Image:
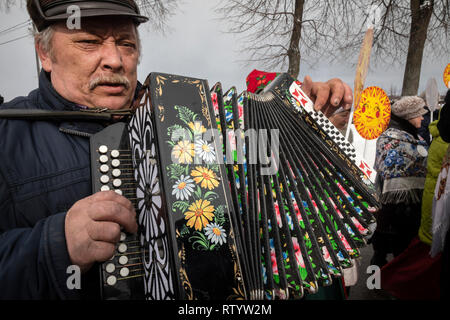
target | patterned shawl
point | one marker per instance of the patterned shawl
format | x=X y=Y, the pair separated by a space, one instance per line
x=401 y=162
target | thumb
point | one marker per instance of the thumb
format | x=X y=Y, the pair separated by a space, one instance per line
x=307 y=85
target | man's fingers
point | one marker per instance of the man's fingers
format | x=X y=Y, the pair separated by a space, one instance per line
x=104 y=231
x=111 y=196
x=307 y=86
x=100 y=251
x=337 y=92
x=322 y=92
x=348 y=97
x=113 y=212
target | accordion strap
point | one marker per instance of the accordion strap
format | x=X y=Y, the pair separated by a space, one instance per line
x=39 y=114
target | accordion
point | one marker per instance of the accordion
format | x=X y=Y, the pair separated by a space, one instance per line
x=238 y=196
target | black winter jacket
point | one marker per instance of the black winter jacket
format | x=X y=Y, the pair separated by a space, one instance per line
x=444 y=119
x=45 y=169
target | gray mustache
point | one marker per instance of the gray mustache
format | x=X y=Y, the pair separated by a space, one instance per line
x=112 y=79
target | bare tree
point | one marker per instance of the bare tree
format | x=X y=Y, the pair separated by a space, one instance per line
x=282 y=33
x=405 y=30
x=278 y=32
x=158 y=12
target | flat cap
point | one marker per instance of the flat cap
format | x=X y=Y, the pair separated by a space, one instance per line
x=46 y=12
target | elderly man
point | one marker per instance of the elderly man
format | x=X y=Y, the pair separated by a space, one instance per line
x=49 y=219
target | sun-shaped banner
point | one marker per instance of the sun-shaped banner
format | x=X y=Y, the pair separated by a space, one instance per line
x=371 y=117
x=447 y=76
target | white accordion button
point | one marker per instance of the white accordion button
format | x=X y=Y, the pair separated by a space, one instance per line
x=122 y=248
x=103 y=149
x=105 y=188
x=123 y=260
x=123 y=236
x=124 y=272
x=110 y=267
x=115 y=163
x=117 y=183
x=115 y=153
x=103 y=159
x=112 y=280
x=116 y=173
x=104 y=179
x=118 y=191
x=104 y=168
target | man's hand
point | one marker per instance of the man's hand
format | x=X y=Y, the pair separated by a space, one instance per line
x=328 y=96
x=93 y=227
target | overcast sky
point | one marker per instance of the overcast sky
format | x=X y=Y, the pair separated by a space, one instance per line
x=195 y=47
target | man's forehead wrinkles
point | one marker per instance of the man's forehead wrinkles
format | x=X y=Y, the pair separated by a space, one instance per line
x=118 y=33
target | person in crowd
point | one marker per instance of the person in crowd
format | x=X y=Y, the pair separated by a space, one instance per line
x=49 y=217
x=441 y=207
x=416 y=272
x=400 y=161
x=436 y=154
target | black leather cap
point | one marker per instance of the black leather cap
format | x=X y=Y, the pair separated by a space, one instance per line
x=45 y=12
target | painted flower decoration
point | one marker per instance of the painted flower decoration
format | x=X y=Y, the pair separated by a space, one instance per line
x=298 y=254
x=197 y=127
x=214 y=101
x=199 y=214
x=205 y=177
x=241 y=111
x=205 y=151
x=215 y=233
x=183 y=152
x=183 y=188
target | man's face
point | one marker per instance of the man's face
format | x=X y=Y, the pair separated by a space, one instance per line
x=95 y=66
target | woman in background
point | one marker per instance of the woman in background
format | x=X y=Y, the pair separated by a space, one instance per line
x=401 y=159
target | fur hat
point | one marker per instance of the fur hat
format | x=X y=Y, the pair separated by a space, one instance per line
x=409 y=107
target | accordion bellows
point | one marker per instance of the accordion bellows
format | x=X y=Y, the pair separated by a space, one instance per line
x=238 y=196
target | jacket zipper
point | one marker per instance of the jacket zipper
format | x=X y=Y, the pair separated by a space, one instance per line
x=75 y=132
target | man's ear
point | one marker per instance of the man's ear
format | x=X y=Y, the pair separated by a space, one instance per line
x=44 y=56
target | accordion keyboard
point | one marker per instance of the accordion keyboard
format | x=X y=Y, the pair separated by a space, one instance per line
x=122 y=275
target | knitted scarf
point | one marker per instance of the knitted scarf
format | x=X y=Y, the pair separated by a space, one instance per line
x=401 y=162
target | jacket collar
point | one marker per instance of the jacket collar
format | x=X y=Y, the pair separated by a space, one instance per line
x=52 y=99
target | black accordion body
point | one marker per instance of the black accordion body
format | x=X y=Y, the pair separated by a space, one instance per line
x=237 y=196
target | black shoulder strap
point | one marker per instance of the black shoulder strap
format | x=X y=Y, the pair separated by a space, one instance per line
x=48 y=115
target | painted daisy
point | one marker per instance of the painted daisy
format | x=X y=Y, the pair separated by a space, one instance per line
x=183 y=152
x=205 y=177
x=183 y=188
x=199 y=214
x=205 y=151
x=215 y=233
